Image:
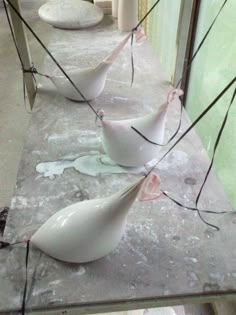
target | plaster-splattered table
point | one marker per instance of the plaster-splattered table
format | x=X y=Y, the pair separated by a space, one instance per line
x=167 y=256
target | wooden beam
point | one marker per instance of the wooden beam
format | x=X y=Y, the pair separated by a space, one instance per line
x=23 y=47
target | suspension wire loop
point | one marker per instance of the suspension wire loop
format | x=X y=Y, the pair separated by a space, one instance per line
x=33 y=70
x=193 y=208
x=132 y=37
x=213 y=156
x=171 y=138
x=51 y=56
x=197 y=119
x=215 y=147
x=179 y=82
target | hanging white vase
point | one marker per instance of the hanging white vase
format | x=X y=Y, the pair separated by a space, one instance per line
x=87 y=230
x=90 y=81
x=127 y=15
x=128 y=148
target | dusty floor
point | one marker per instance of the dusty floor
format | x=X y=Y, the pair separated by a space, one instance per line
x=14 y=119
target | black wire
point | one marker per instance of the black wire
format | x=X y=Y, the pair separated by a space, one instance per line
x=184 y=74
x=171 y=138
x=196 y=209
x=197 y=119
x=132 y=59
x=215 y=147
x=178 y=203
x=132 y=38
x=214 y=151
x=201 y=43
x=7 y=244
x=26 y=277
x=51 y=56
x=145 y=16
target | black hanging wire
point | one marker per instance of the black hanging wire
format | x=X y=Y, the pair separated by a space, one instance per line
x=201 y=43
x=192 y=208
x=6 y=244
x=177 y=85
x=26 y=277
x=206 y=110
x=219 y=135
x=132 y=59
x=132 y=37
x=145 y=16
x=51 y=56
x=213 y=156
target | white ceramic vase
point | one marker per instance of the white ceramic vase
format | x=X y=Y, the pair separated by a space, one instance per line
x=115 y=6
x=87 y=230
x=128 y=148
x=90 y=81
x=127 y=15
x=70 y=14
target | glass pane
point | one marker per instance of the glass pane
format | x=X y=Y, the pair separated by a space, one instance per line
x=161 y=27
x=213 y=68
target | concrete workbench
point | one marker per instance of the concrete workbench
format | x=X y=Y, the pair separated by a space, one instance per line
x=167 y=255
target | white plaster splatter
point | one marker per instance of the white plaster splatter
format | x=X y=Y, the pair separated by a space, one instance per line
x=191 y=259
x=80 y=272
x=93 y=165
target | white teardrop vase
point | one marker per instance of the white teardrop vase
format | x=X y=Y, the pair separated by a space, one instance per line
x=127 y=15
x=115 y=6
x=87 y=230
x=126 y=147
x=91 y=81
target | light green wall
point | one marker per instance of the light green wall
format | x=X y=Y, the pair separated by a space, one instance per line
x=162 y=32
x=213 y=68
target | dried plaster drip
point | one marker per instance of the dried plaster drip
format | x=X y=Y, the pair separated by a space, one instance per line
x=91 y=165
x=95 y=164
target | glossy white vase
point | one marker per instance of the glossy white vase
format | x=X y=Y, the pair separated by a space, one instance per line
x=90 y=81
x=87 y=230
x=126 y=147
x=115 y=6
x=70 y=14
x=127 y=15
